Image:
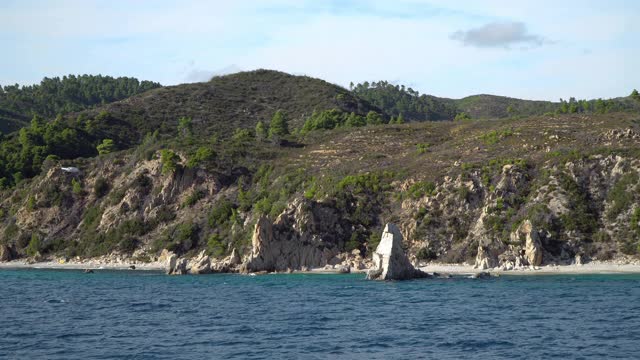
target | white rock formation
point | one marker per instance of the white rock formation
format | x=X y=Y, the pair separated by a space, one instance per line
x=200 y=264
x=176 y=266
x=484 y=259
x=533 y=246
x=389 y=260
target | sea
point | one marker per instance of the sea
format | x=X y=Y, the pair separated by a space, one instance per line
x=67 y=314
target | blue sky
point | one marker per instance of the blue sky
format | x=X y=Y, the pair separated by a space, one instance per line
x=527 y=49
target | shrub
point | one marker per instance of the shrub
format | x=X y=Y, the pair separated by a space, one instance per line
x=619 y=197
x=492 y=137
x=143 y=183
x=422 y=148
x=34 y=245
x=187 y=235
x=169 y=161
x=164 y=214
x=76 y=187
x=100 y=187
x=426 y=253
x=420 y=189
x=462 y=116
x=221 y=213
x=203 y=154
x=193 y=198
x=215 y=245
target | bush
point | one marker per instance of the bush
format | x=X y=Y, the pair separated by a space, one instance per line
x=420 y=189
x=76 y=187
x=187 y=235
x=426 y=253
x=221 y=213
x=203 y=154
x=422 y=148
x=619 y=196
x=492 y=137
x=169 y=161
x=164 y=215
x=106 y=147
x=100 y=187
x=34 y=245
x=215 y=246
x=462 y=116
x=143 y=183
x=193 y=198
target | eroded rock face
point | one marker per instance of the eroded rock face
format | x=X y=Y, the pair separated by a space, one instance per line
x=389 y=260
x=485 y=259
x=5 y=253
x=305 y=235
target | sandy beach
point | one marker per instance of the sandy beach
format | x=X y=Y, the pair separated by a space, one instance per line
x=89 y=264
x=595 y=267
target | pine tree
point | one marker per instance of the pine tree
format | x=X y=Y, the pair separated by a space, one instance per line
x=107 y=146
x=261 y=131
x=279 y=126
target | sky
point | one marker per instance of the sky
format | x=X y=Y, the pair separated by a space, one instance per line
x=539 y=49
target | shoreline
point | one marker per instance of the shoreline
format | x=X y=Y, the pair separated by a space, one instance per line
x=595 y=267
x=90 y=265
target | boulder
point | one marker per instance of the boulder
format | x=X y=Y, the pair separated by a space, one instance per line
x=5 y=253
x=481 y=275
x=201 y=264
x=389 y=260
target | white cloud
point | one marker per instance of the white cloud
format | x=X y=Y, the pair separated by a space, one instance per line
x=499 y=34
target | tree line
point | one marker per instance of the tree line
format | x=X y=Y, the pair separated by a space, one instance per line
x=71 y=93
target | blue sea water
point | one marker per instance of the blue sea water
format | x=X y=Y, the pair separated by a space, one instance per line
x=64 y=314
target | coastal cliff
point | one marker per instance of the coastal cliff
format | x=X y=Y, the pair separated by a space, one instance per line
x=510 y=193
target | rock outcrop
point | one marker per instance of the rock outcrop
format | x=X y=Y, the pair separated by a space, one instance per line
x=484 y=259
x=176 y=266
x=304 y=235
x=201 y=264
x=389 y=260
x=533 y=246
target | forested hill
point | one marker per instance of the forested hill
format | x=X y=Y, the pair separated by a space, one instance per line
x=396 y=100
x=225 y=106
x=18 y=104
x=400 y=100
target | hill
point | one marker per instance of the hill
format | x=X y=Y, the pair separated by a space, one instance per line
x=55 y=96
x=397 y=99
x=215 y=108
x=189 y=172
x=233 y=101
